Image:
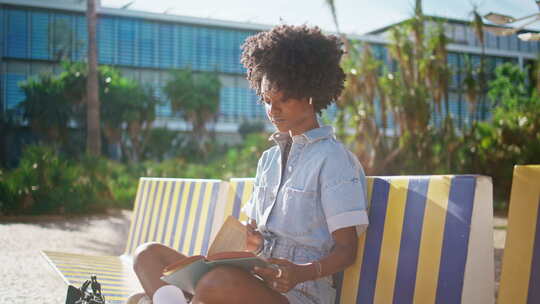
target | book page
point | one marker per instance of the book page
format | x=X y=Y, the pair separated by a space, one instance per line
x=231 y=237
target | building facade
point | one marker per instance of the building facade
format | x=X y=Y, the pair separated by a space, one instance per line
x=35 y=34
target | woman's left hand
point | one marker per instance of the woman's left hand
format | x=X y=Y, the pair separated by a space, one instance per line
x=284 y=280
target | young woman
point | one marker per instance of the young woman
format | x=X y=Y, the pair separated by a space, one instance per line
x=308 y=204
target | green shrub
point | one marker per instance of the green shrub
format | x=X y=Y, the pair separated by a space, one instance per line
x=511 y=137
x=7 y=195
x=45 y=183
x=122 y=184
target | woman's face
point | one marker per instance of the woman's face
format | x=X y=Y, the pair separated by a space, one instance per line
x=288 y=114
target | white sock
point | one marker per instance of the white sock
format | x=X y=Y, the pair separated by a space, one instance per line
x=169 y=294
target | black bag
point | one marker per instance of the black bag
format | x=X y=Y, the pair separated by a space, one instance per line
x=83 y=295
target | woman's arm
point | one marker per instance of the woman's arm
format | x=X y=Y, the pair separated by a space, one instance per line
x=343 y=253
x=342 y=256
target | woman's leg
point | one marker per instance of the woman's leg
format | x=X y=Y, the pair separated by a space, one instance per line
x=229 y=285
x=148 y=263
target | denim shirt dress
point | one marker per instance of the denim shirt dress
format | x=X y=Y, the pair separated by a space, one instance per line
x=321 y=189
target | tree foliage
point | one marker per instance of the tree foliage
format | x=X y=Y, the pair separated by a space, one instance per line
x=406 y=92
x=53 y=102
x=46 y=108
x=195 y=97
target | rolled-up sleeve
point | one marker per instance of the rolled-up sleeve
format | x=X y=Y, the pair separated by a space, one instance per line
x=343 y=193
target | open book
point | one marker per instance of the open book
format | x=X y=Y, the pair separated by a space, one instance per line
x=228 y=248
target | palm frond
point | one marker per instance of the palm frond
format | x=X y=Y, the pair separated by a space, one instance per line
x=332 y=7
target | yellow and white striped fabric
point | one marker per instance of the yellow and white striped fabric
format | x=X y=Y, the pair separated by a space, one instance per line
x=240 y=190
x=520 y=276
x=181 y=213
x=114 y=273
x=430 y=240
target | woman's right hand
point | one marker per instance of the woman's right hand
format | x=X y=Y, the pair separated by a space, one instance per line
x=254 y=239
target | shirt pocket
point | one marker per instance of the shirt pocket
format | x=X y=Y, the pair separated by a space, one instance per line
x=300 y=211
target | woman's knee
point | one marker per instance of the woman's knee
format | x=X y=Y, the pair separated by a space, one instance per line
x=233 y=285
x=146 y=252
x=220 y=280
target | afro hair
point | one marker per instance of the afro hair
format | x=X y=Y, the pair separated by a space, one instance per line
x=300 y=61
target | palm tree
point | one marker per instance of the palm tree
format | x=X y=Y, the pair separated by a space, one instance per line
x=478 y=27
x=93 y=136
x=332 y=7
x=418 y=85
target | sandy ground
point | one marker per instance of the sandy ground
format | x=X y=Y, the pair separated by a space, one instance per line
x=27 y=278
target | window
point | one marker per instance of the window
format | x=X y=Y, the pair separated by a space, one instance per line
x=524 y=46
x=214 y=59
x=14 y=94
x=81 y=38
x=126 y=41
x=220 y=51
x=62 y=36
x=202 y=50
x=226 y=102
x=39 y=33
x=534 y=46
x=471 y=36
x=224 y=51
x=243 y=106
x=504 y=42
x=147 y=44
x=238 y=102
x=106 y=40
x=490 y=40
x=16 y=37
x=459 y=34
x=449 y=30
x=186 y=46
x=166 y=51
x=513 y=43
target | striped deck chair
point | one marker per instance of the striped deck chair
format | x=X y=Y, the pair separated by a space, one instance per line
x=181 y=213
x=430 y=240
x=240 y=190
x=520 y=276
